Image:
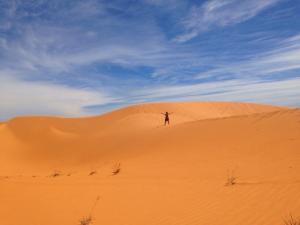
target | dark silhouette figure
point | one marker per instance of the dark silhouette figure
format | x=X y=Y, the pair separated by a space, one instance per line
x=167 y=119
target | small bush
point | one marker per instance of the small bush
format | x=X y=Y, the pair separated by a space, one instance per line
x=92 y=173
x=292 y=221
x=231 y=178
x=116 y=169
x=86 y=221
x=55 y=174
x=231 y=181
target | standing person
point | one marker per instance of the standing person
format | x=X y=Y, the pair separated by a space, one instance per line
x=167 y=119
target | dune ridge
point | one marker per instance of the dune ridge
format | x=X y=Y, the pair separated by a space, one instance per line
x=168 y=175
x=144 y=115
x=94 y=138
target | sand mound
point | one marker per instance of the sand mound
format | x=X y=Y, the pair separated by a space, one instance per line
x=137 y=116
x=92 y=138
x=168 y=175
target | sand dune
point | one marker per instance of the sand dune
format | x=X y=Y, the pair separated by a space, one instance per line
x=90 y=139
x=169 y=175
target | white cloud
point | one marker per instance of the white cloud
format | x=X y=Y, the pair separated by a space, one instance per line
x=283 y=58
x=220 y=13
x=19 y=97
x=58 y=48
x=281 y=92
x=53 y=41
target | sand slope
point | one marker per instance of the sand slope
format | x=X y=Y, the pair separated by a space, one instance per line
x=169 y=175
x=72 y=141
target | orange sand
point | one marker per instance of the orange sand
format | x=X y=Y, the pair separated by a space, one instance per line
x=169 y=175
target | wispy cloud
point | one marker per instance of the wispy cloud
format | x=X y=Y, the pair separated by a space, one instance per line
x=220 y=13
x=55 y=47
x=282 y=58
x=85 y=56
x=280 y=92
x=19 y=97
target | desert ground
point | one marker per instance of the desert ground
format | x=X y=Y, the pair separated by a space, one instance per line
x=218 y=163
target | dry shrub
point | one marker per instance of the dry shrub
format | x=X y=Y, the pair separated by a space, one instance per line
x=230 y=181
x=86 y=221
x=56 y=173
x=116 y=169
x=292 y=221
x=89 y=219
x=92 y=173
x=231 y=178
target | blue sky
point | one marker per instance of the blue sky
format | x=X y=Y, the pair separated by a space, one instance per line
x=77 y=58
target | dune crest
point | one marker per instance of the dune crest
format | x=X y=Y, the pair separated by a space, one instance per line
x=54 y=135
x=147 y=173
x=144 y=115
